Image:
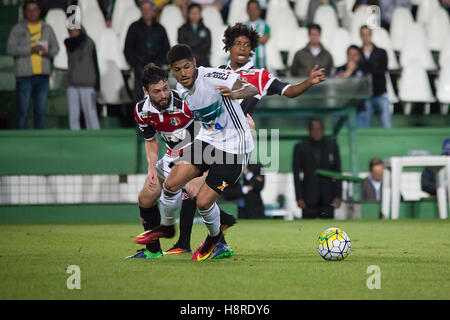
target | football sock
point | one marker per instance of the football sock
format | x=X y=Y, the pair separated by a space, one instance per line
x=150 y=218
x=170 y=204
x=187 y=214
x=211 y=218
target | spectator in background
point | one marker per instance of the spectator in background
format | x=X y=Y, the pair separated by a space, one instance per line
x=313 y=54
x=33 y=44
x=196 y=35
x=146 y=42
x=428 y=180
x=317 y=196
x=387 y=8
x=375 y=61
x=371 y=186
x=83 y=79
x=263 y=30
x=354 y=66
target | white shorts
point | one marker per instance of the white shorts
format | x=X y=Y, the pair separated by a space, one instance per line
x=162 y=166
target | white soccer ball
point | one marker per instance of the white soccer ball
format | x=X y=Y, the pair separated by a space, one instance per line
x=334 y=244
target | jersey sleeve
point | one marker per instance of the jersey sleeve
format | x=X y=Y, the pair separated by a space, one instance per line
x=277 y=87
x=270 y=84
x=146 y=130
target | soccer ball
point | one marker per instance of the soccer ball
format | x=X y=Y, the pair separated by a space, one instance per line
x=334 y=244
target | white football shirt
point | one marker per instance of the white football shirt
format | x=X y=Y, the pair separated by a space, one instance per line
x=224 y=125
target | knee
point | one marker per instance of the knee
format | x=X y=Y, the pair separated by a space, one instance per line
x=146 y=200
x=171 y=187
x=203 y=204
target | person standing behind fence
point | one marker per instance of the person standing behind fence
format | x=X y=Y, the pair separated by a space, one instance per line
x=83 y=79
x=33 y=44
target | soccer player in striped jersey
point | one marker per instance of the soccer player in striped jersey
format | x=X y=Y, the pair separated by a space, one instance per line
x=222 y=146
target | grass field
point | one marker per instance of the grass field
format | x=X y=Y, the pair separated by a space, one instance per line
x=274 y=260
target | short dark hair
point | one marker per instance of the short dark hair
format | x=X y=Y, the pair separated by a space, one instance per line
x=179 y=52
x=194 y=5
x=365 y=27
x=28 y=2
x=314 y=26
x=253 y=1
x=153 y=74
x=238 y=30
x=310 y=123
x=374 y=162
x=354 y=47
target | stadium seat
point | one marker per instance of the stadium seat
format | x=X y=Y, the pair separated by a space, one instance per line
x=445 y=52
x=273 y=57
x=359 y=19
x=130 y=15
x=326 y=17
x=108 y=48
x=401 y=21
x=415 y=86
x=277 y=10
x=443 y=87
x=112 y=85
x=301 y=40
x=56 y=18
x=415 y=47
x=218 y=55
x=172 y=19
x=380 y=38
x=94 y=23
x=89 y=5
x=437 y=28
x=238 y=12
x=338 y=46
x=212 y=18
x=390 y=91
x=425 y=10
x=301 y=9
x=120 y=10
x=283 y=28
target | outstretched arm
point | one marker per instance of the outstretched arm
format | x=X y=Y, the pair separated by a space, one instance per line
x=316 y=76
x=240 y=90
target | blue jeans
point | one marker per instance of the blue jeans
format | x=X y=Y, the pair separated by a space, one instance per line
x=381 y=105
x=35 y=87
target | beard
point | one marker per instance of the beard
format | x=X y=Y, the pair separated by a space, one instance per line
x=162 y=104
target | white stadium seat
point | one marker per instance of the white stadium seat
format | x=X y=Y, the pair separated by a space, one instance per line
x=301 y=9
x=445 y=52
x=402 y=19
x=94 y=23
x=218 y=55
x=273 y=57
x=56 y=18
x=415 y=86
x=121 y=7
x=112 y=85
x=437 y=28
x=326 y=17
x=443 y=87
x=359 y=19
x=130 y=15
x=108 y=48
x=212 y=18
x=89 y=5
x=274 y=9
x=171 y=19
x=425 y=10
x=238 y=12
x=301 y=39
x=415 y=47
x=339 y=45
x=380 y=38
x=390 y=90
x=283 y=28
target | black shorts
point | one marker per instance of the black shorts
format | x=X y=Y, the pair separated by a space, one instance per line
x=224 y=168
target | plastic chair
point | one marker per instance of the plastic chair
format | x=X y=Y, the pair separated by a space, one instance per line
x=380 y=38
x=415 y=86
x=443 y=87
x=402 y=19
x=56 y=18
x=120 y=9
x=301 y=9
x=277 y=10
x=437 y=28
x=94 y=23
x=359 y=19
x=445 y=51
x=89 y=5
x=218 y=55
x=172 y=19
x=273 y=56
x=212 y=18
x=130 y=15
x=108 y=48
x=339 y=45
x=326 y=17
x=301 y=40
x=238 y=12
x=390 y=91
x=283 y=28
x=415 y=47
x=112 y=85
x=425 y=10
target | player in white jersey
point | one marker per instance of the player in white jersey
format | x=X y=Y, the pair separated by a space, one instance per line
x=222 y=146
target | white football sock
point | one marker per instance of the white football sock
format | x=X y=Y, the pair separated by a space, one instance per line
x=211 y=218
x=170 y=204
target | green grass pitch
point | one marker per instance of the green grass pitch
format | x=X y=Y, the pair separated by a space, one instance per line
x=273 y=259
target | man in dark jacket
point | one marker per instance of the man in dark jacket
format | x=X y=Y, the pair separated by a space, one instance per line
x=83 y=79
x=317 y=196
x=196 y=35
x=376 y=62
x=371 y=186
x=146 y=42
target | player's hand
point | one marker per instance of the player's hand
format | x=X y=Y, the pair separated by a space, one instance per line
x=317 y=75
x=301 y=204
x=152 y=178
x=225 y=91
x=336 y=203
